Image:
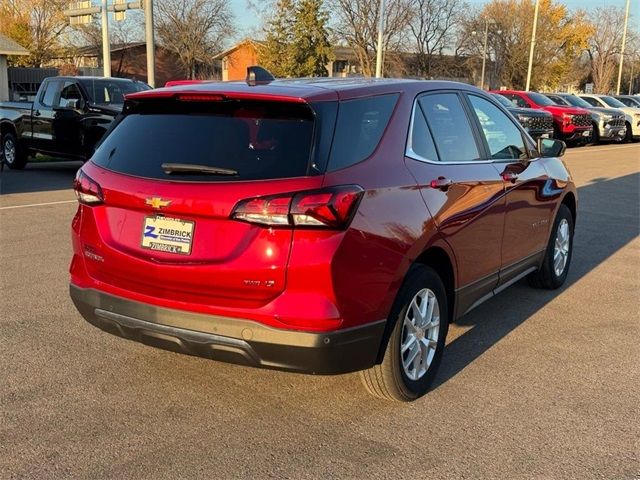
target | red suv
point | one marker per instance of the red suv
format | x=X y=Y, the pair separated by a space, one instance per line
x=317 y=226
x=570 y=123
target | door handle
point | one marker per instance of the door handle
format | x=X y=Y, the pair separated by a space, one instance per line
x=442 y=183
x=509 y=177
x=36 y=113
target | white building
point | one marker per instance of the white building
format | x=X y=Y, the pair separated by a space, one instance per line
x=7 y=47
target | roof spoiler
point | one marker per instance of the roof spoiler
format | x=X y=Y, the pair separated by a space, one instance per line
x=257 y=75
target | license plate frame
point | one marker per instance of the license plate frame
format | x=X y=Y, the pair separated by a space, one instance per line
x=167 y=234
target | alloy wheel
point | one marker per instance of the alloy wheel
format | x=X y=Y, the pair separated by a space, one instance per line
x=9 y=150
x=561 y=248
x=420 y=331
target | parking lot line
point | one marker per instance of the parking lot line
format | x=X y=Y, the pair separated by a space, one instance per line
x=11 y=207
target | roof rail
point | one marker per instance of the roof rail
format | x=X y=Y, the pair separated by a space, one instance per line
x=257 y=75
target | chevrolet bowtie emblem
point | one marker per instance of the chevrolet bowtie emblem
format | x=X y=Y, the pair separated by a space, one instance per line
x=157 y=202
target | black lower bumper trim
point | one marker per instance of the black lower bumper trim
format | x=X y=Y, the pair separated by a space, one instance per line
x=231 y=340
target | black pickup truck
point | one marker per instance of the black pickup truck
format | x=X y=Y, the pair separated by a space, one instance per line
x=67 y=118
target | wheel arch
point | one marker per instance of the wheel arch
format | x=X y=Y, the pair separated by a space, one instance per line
x=570 y=201
x=442 y=262
x=8 y=127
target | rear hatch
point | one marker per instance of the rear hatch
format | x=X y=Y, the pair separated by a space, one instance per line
x=171 y=172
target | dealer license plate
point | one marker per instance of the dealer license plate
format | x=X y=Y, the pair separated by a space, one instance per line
x=169 y=235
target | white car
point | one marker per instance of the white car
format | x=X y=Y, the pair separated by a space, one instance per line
x=632 y=115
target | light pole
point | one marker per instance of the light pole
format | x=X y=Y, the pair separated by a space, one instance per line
x=484 y=48
x=624 y=40
x=106 y=46
x=81 y=12
x=533 y=44
x=380 y=41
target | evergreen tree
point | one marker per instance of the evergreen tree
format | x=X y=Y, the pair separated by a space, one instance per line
x=297 y=43
x=311 y=49
x=276 y=55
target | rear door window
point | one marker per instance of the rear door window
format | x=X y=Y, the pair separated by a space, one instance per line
x=450 y=126
x=256 y=140
x=359 y=128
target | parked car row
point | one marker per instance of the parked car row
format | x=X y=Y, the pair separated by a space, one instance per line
x=577 y=119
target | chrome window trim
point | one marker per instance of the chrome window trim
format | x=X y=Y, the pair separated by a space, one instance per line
x=410 y=153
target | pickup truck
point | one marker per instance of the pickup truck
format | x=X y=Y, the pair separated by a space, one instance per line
x=571 y=124
x=67 y=118
x=537 y=123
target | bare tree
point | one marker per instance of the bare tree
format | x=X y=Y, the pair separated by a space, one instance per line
x=36 y=24
x=357 y=24
x=604 y=46
x=432 y=24
x=194 y=29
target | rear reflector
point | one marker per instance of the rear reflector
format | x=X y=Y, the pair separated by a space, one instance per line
x=331 y=207
x=87 y=190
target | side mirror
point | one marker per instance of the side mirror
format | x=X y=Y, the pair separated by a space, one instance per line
x=550 y=147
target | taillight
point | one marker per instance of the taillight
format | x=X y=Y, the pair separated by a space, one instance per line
x=331 y=207
x=87 y=190
x=199 y=97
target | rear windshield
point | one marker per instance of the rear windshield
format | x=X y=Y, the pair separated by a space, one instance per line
x=237 y=140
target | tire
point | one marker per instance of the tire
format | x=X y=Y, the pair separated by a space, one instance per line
x=390 y=380
x=595 y=136
x=629 y=135
x=548 y=276
x=12 y=153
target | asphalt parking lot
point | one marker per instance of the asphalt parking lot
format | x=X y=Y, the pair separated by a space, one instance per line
x=534 y=384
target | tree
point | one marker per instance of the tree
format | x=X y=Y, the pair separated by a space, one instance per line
x=194 y=29
x=357 y=24
x=432 y=24
x=276 y=55
x=311 y=47
x=604 y=46
x=561 y=37
x=36 y=25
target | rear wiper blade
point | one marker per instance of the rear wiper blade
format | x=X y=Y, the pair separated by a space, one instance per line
x=170 y=168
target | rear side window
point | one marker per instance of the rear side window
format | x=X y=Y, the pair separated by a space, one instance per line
x=359 y=128
x=256 y=140
x=450 y=127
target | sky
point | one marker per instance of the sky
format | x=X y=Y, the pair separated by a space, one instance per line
x=249 y=21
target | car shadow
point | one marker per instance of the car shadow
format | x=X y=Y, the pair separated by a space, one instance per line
x=607 y=220
x=39 y=177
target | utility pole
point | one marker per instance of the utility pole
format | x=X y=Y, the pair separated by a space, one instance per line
x=533 y=44
x=380 y=41
x=484 y=52
x=624 y=40
x=81 y=12
x=106 y=46
x=151 y=44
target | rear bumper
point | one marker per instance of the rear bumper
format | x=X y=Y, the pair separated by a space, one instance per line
x=231 y=340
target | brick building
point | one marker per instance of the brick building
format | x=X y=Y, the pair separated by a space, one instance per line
x=130 y=61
